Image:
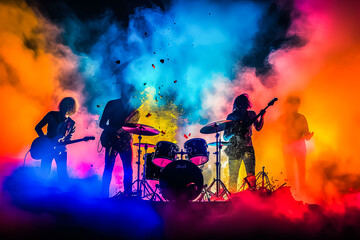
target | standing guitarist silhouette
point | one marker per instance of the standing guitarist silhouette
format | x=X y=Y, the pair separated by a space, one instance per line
x=239 y=134
x=60 y=128
x=295 y=131
x=117 y=141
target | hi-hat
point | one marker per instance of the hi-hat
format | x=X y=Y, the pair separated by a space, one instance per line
x=213 y=144
x=215 y=127
x=140 y=129
x=149 y=145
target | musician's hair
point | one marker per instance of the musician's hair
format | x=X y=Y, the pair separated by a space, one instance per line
x=242 y=101
x=293 y=99
x=69 y=104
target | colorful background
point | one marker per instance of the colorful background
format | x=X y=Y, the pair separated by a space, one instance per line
x=188 y=60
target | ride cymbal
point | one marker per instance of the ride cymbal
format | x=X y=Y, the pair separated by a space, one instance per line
x=215 y=127
x=140 y=129
x=149 y=145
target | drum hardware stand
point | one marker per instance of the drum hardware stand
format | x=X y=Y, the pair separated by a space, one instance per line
x=144 y=190
x=181 y=153
x=217 y=181
x=138 y=182
x=262 y=183
x=146 y=186
x=139 y=129
x=246 y=183
x=265 y=182
x=155 y=195
x=204 y=193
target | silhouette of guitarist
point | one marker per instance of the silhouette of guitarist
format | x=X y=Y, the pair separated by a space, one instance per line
x=117 y=141
x=239 y=135
x=60 y=128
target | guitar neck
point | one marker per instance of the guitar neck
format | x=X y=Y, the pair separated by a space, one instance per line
x=257 y=116
x=253 y=120
x=71 y=142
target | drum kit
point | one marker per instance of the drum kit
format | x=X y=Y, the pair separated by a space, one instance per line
x=179 y=179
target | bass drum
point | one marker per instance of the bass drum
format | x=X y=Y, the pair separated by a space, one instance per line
x=181 y=181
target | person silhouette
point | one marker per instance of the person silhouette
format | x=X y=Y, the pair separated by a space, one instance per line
x=239 y=135
x=117 y=141
x=60 y=128
x=295 y=131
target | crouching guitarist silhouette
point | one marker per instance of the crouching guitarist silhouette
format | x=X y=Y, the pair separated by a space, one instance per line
x=117 y=141
x=60 y=128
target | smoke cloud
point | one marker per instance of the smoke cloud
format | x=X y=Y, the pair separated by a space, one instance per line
x=188 y=61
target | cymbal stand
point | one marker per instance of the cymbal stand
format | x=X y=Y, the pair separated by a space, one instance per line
x=224 y=192
x=155 y=195
x=146 y=190
x=138 y=164
x=143 y=190
x=262 y=183
x=137 y=181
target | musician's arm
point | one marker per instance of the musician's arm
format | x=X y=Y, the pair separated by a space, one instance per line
x=104 y=118
x=307 y=134
x=227 y=133
x=41 y=124
x=258 y=124
x=70 y=134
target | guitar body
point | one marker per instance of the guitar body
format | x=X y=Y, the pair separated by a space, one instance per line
x=108 y=138
x=42 y=147
x=118 y=140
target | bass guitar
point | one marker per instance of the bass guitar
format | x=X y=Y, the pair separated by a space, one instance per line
x=43 y=147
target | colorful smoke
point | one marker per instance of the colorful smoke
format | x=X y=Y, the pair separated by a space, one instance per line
x=188 y=63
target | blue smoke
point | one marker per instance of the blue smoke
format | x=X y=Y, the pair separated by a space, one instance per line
x=172 y=54
x=76 y=211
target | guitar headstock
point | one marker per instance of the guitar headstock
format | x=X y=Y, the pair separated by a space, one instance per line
x=272 y=101
x=89 y=138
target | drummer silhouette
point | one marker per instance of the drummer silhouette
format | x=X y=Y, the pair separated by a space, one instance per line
x=117 y=141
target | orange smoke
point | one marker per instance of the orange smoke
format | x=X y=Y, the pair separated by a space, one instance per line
x=31 y=66
x=325 y=73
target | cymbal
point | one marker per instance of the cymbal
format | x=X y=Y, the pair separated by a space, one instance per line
x=149 y=145
x=215 y=127
x=213 y=144
x=140 y=129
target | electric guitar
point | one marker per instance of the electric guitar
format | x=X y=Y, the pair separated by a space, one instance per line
x=246 y=124
x=253 y=120
x=43 y=147
x=115 y=138
x=110 y=138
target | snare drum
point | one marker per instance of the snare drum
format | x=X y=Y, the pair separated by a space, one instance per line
x=165 y=153
x=196 y=149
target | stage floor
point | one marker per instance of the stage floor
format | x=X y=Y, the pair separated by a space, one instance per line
x=245 y=217
x=28 y=209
